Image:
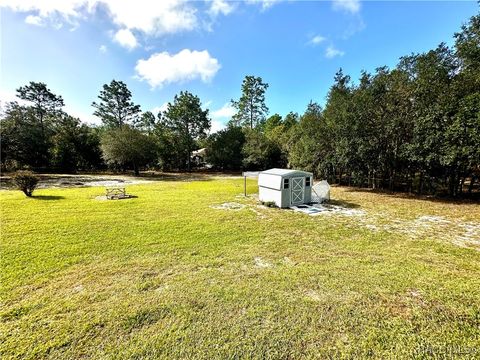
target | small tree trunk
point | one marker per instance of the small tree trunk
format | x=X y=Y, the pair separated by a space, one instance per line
x=135 y=169
x=411 y=178
x=251 y=114
x=392 y=180
x=407 y=181
x=472 y=183
x=460 y=187
x=189 y=165
x=420 y=183
x=452 y=186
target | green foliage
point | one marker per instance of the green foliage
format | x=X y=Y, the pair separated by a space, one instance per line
x=169 y=156
x=224 y=148
x=270 y=204
x=467 y=44
x=259 y=152
x=271 y=123
x=44 y=107
x=187 y=121
x=126 y=146
x=25 y=181
x=59 y=142
x=280 y=133
x=116 y=107
x=23 y=142
x=251 y=108
x=146 y=122
x=74 y=145
x=307 y=137
x=291 y=119
x=43 y=100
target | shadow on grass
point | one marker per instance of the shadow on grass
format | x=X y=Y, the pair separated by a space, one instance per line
x=48 y=197
x=343 y=203
x=177 y=177
x=126 y=197
x=104 y=198
x=473 y=199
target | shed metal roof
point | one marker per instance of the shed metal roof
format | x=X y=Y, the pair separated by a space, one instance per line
x=282 y=172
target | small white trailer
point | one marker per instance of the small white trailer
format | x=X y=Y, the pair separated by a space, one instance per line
x=285 y=187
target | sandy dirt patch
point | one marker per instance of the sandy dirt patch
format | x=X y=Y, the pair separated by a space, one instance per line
x=228 y=206
x=260 y=263
x=75 y=181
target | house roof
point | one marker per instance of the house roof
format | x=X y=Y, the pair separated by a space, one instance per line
x=282 y=172
x=199 y=151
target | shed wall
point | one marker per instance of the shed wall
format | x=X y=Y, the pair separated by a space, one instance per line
x=267 y=194
x=308 y=192
x=285 y=198
x=270 y=181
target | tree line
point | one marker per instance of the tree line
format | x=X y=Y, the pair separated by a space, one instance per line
x=415 y=127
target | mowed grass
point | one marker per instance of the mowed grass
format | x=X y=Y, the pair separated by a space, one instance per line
x=165 y=275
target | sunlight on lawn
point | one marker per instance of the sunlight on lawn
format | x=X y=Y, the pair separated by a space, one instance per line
x=174 y=273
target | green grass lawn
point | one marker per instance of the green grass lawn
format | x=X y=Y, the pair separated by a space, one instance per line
x=167 y=275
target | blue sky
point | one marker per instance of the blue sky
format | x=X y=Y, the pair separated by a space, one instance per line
x=207 y=47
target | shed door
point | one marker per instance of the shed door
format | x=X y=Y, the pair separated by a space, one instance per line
x=298 y=190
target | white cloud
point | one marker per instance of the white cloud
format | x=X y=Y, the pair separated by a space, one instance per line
x=151 y=17
x=354 y=27
x=126 y=39
x=148 y=17
x=217 y=126
x=47 y=8
x=332 y=52
x=87 y=118
x=158 y=109
x=223 y=7
x=264 y=3
x=165 y=68
x=34 y=20
x=9 y=96
x=351 y=6
x=103 y=49
x=316 y=40
x=220 y=117
x=225 y=112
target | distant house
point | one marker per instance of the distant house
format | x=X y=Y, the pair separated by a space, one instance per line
x=198 y=156
x=285 y=187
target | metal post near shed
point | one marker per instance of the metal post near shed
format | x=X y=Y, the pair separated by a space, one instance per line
x=244 y=186
x=246 y=174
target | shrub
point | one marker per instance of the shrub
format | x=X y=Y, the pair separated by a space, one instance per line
x=26 y=181
x=270 y=204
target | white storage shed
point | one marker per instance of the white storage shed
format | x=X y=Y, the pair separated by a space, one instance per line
x=285 y=187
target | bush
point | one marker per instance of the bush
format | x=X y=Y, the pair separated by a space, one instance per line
x=26 y=181
x=270 y=204
x=224 y=149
